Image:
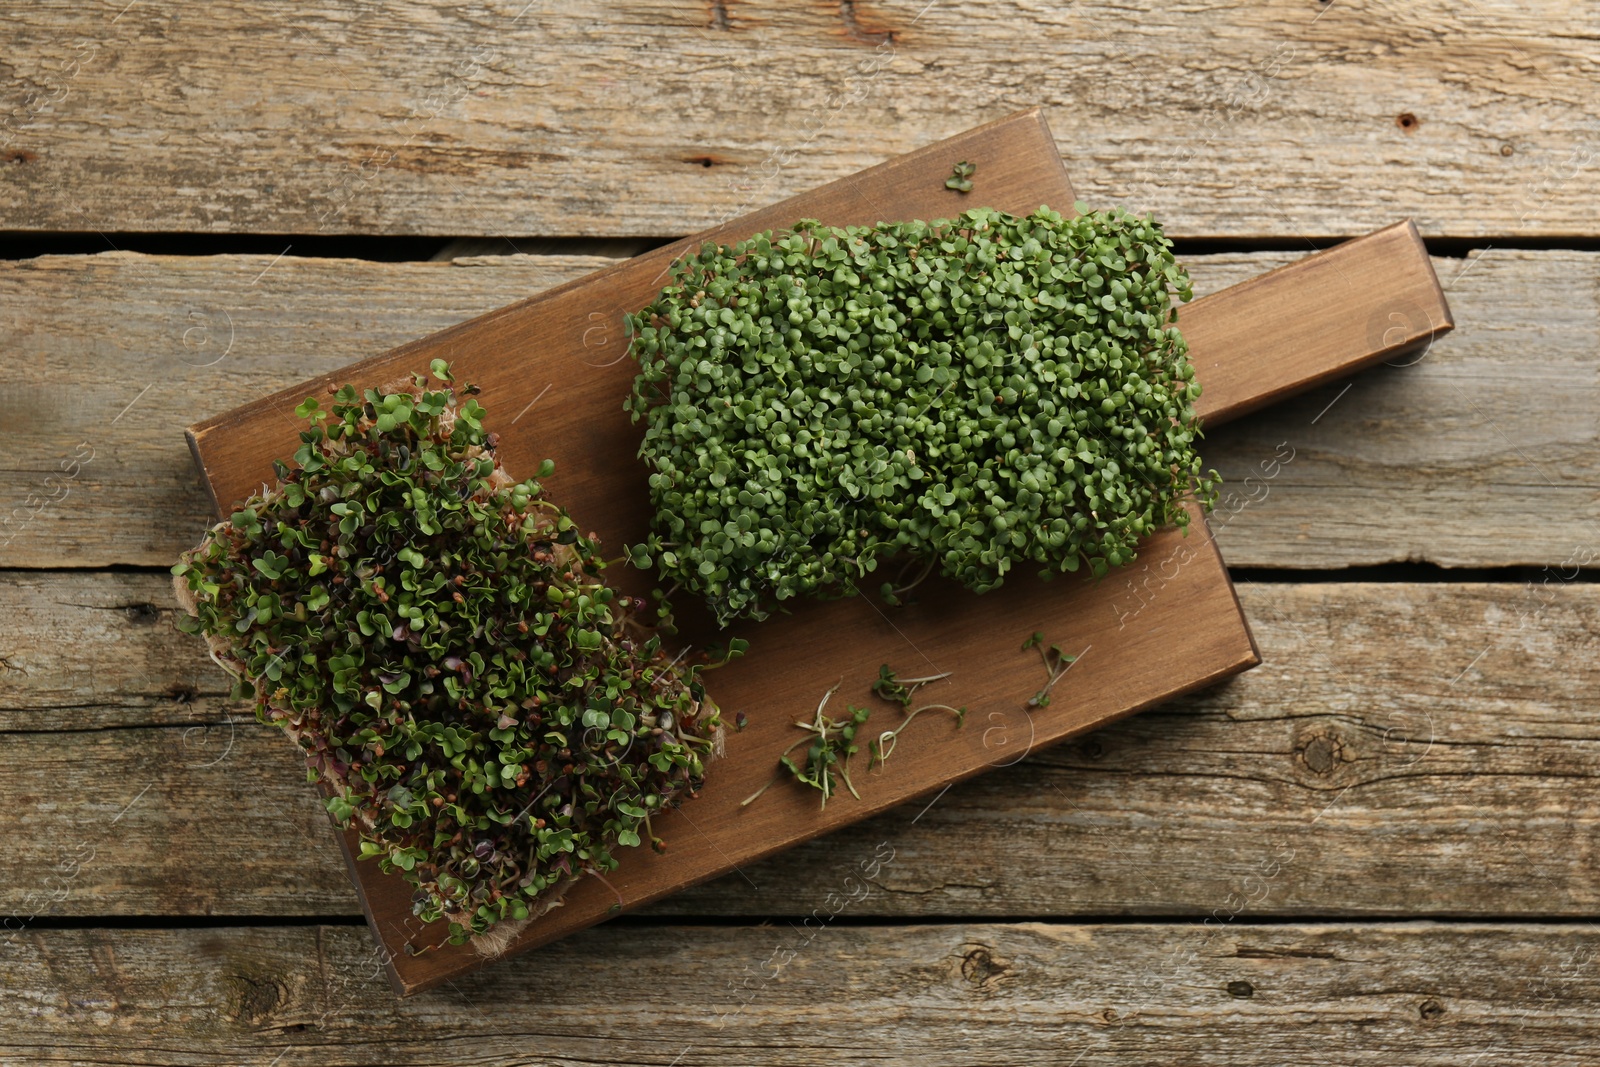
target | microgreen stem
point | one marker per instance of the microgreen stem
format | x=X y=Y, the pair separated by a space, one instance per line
x=895 y=594
x=925 y=679
x=881 y=751
x=899 y=690
x=1056 y=665
x=832 y=743
x=607 y=883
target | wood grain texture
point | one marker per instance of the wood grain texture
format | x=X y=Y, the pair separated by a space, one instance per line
x=1479 y=451
x=1508 y=401
x=1234 y=993
x=661 y=117
x=157 y=341
x=1409 y=775
x=87 y=651
x=1319 y=319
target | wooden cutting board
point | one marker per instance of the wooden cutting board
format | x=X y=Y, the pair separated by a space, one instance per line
x=554 y=374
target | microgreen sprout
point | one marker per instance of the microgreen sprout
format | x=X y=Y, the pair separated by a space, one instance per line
x=717 y=654
x=899 y=690
x=488 y=715
x=831 y=744
x=889 y=686
x=1056 y=664
x=884 y=745
x=966 y=396
x=961 y=177
x=895 y=594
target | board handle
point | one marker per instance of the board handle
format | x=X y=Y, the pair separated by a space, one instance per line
x=1314 y=320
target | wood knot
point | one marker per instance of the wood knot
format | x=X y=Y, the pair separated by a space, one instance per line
x=142 y=614
x=857 y=31
x=1430 y=1010
x=1092 y=749
x=1241 y=990
x=1318 y=754
x=982 y=968
x=182 y=694
x=1407 y=121
x=18 y=156
x=252 y=1000
x=1322 y=751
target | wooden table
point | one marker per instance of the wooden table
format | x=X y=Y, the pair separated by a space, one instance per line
x=1378 y=847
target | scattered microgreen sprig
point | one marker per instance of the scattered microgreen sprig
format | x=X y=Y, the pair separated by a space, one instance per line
x=488 y=713
x=899 y=690
x=831 y=744
x=884 y=745
x=1056 y=664
x=961 y=177
x=896 y=690
x=978 y=393
x=832 y=741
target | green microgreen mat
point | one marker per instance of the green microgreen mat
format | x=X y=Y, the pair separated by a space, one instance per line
x=438 y=639
x=975 y=394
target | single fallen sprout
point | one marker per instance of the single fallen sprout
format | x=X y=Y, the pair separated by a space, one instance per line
x=961 y=177
x=884 y=745
x=1056 y=664
x=897 y=690
x=486 y=713
x=900 y=690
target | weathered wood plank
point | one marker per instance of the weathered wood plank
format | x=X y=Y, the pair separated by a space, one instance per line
x=89 y=651
x=511 y=118
x=1236 y=994
x=1497 y=421
x=1481 y=450
x=113 y=355
x=1345 y=757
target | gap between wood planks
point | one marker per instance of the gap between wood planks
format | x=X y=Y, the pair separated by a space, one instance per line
x=1373 y=574
x=15 y=245
x=856 y=922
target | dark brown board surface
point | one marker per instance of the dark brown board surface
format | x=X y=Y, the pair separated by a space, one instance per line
x=557 y=361
x=1317 y=319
